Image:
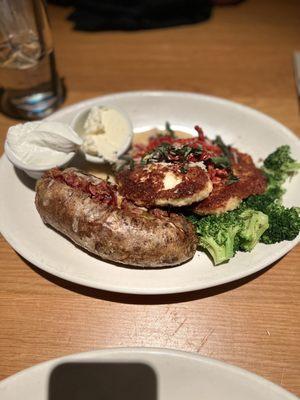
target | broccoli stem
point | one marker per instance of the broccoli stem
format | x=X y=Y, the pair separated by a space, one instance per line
x=220 y=250
x=216 y=251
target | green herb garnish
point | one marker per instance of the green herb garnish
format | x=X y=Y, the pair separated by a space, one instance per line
x=159 y=154
x=186 y=150
x=183 y=151
x=169 y=129
x=168 y=153
x=232 y=179
x=225 y=149
x=183 y=169
x=221 y=161
x=131 y=164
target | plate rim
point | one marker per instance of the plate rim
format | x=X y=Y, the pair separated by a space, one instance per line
x=138 y=351
x=178 y=93
x=162 y=290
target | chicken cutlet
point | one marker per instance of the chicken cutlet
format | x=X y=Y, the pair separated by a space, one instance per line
x=207 y=174
x=227 y=195
x=165 y=184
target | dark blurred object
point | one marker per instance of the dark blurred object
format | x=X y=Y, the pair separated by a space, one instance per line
x=100 y=380
x=226 y=2
x=93 y=15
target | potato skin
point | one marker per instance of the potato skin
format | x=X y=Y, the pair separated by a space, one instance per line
x=125 y=234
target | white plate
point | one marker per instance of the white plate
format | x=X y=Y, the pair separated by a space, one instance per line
x=244 y=127
x=176 y=375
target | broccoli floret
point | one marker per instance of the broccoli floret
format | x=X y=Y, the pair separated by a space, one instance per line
x=281 y=162
x=223 y=235
x=284 y=224
x=255 y=223
x=218 y=235
x=274 y=193
x=278 y=166
x=261 y=202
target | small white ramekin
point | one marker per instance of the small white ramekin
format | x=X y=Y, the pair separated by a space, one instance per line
x=77 y=125
x=34 y=172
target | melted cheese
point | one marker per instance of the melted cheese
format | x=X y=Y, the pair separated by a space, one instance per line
x=199 y=164
x=171 y=180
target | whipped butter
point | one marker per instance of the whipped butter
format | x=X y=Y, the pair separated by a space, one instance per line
x=42 y=144
x=106 y=132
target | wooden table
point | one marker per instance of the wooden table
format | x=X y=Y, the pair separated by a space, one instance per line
x=243 y=53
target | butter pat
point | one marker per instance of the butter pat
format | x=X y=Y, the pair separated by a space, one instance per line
x=93 y=124
x=106 y=132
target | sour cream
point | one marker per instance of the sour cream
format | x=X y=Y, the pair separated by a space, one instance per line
x=106 y=133
x=42 y=144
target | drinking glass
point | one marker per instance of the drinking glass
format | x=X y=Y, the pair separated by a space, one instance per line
x=31 y=88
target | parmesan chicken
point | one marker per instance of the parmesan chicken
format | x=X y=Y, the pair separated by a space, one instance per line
x=227 y=196
x=165 y=184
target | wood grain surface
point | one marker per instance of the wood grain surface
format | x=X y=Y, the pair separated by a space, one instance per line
x=243 y=53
